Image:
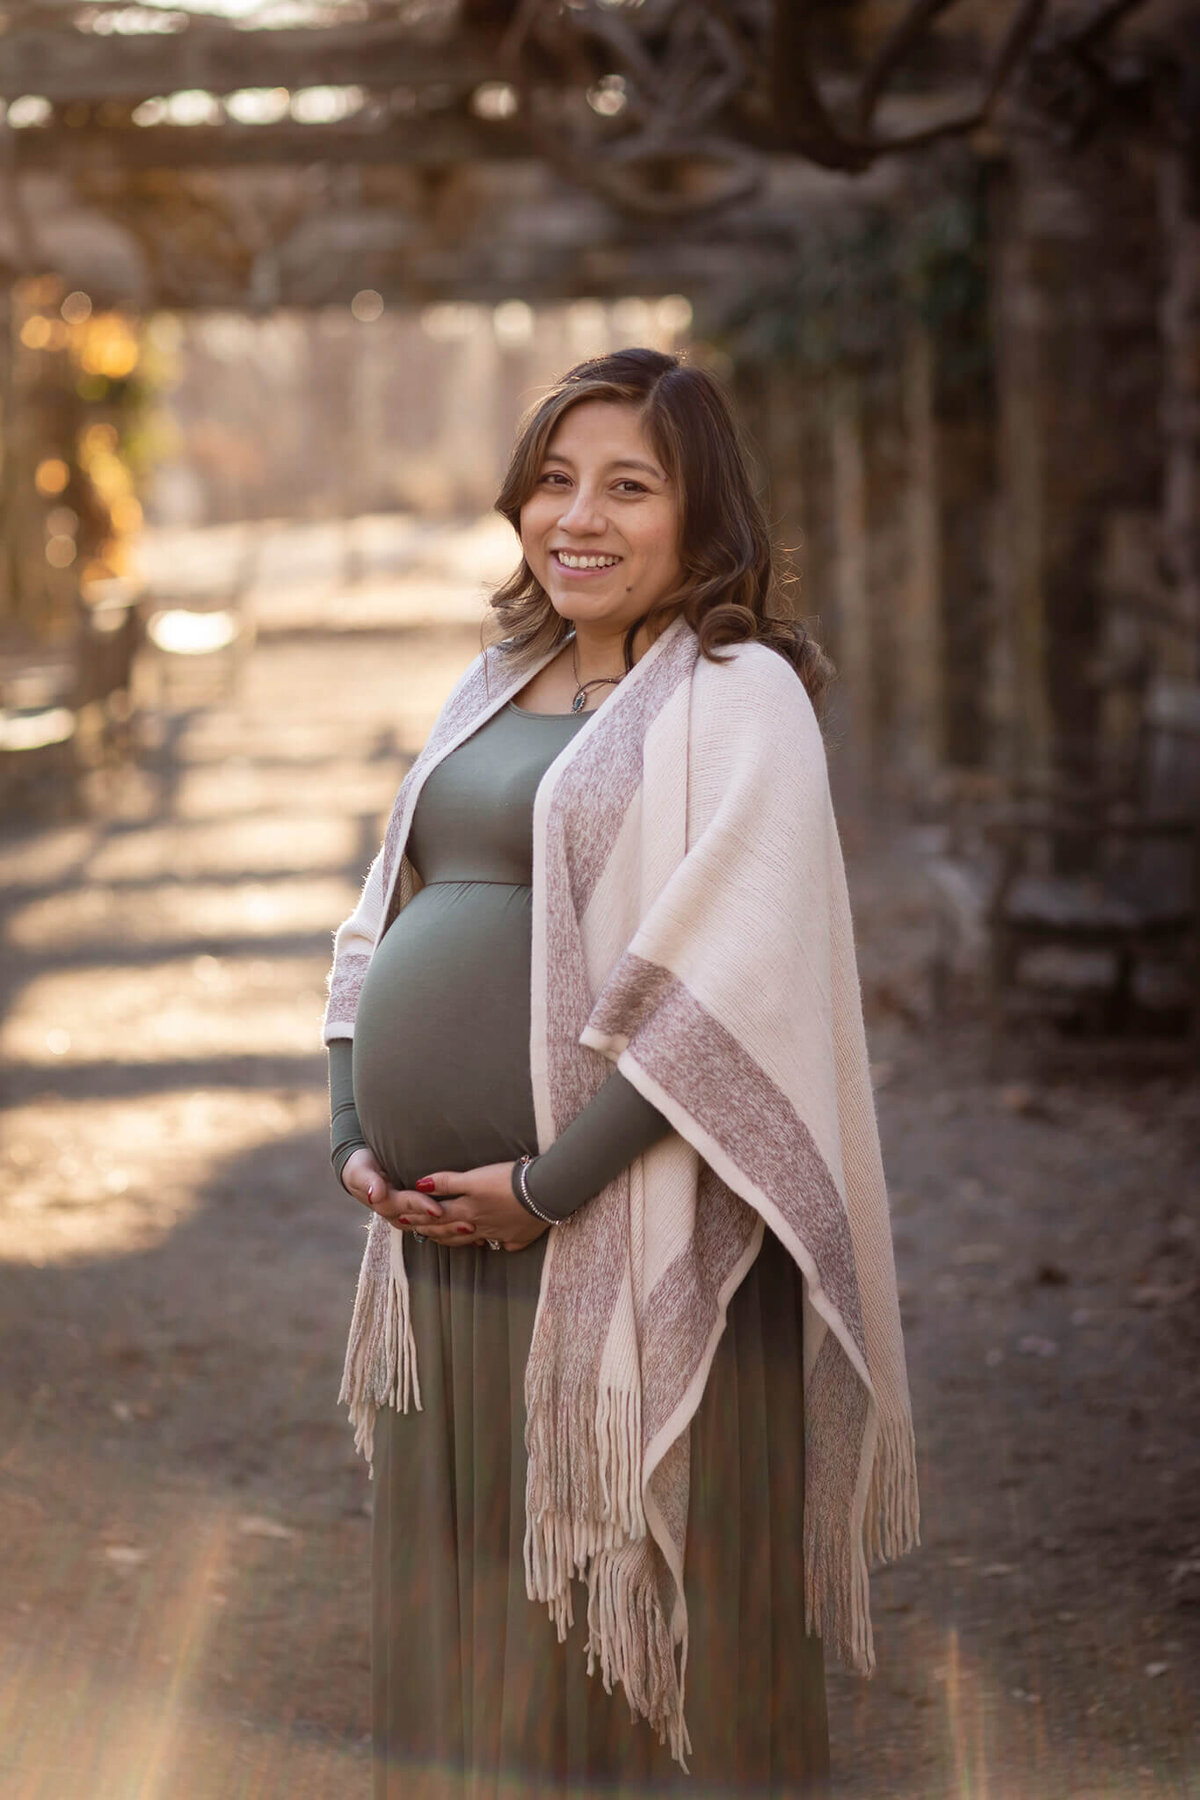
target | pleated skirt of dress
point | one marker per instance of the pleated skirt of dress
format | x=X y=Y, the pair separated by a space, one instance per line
x=473 y=1696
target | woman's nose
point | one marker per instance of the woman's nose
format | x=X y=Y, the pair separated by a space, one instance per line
x=583 y=513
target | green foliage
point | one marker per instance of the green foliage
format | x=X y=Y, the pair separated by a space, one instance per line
x=854 y=285
x=943 y=266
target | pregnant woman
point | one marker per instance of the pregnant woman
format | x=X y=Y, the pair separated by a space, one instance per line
x=626 y=1340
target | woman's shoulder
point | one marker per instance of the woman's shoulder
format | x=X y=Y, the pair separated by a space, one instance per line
x=753 y=680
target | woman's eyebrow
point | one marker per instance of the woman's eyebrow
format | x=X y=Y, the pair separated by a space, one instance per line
x=620 y=462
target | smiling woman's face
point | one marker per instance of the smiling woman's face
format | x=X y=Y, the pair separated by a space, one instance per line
x=601 y=528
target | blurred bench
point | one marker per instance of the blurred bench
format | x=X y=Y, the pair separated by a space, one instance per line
x=66 y=708
x=1083 y=903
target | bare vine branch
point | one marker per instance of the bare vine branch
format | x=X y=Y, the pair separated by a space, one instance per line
x=895 y=47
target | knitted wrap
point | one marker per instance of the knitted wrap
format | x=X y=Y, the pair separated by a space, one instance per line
x=691 y=926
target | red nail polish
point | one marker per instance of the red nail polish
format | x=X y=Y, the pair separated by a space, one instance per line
x=465 y=1230
x=426 y=1184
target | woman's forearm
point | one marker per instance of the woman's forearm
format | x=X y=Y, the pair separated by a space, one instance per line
x=614 y=1128
x=345 y=1132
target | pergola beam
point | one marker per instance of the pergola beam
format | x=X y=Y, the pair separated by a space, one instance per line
x=68 y=66
x=441 y=140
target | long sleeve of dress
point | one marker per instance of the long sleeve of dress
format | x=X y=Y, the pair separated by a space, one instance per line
x=345 y=1132
x=614 y=1128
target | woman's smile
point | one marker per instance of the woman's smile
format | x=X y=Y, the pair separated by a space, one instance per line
x=581 y=563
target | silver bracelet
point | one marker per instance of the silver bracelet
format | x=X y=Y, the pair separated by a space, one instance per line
x=522 y=1192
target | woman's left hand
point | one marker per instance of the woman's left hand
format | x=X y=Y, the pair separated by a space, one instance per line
x=478 y=1207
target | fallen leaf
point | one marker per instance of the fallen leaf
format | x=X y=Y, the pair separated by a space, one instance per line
x=124 y=1556
x=1155 y=1669
x=256 y=1525
x=1032 y=1345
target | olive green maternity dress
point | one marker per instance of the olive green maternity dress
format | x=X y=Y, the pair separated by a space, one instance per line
x=473 y=1695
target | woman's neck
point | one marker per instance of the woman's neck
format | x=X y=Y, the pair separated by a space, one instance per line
x=599 y=652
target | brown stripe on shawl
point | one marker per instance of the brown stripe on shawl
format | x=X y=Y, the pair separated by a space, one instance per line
x=682 y=1310
x=562 y=1392
x=836 y=1593
x=699 y=1063
x=589 y=1266
x=595 y=790
x=588 y=806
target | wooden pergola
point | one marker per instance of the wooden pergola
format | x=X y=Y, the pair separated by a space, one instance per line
x=487 y=150
x=479 y=148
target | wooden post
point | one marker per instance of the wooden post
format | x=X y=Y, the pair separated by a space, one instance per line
x=1079 y=380
x=920 y=711
x=1179 y=212
x=1019 y=700
x=851 y=588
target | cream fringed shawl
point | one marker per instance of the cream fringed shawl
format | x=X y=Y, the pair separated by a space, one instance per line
x=691 y=924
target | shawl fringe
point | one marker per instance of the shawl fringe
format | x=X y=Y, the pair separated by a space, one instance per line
x=381 y=1354
x=630 y=1638
x=838 y=1556
x=893 y=1514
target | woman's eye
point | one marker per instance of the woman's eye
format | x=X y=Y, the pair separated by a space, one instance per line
x=632 y=487
x=553 y=478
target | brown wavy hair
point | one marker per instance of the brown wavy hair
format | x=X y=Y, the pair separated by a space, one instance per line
x=730 y=577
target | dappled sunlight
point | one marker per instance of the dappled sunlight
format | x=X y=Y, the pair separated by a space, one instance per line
x=49 y=856
x=196 y=1006
x=96 y=915
x=88 y=1179
x=486 y=551
x=292 y=741
x=236 y=847
x=239 y=786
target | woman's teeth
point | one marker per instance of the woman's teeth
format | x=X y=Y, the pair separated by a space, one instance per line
x=585 y=562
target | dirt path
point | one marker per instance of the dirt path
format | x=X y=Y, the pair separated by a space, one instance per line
x=184 y=1608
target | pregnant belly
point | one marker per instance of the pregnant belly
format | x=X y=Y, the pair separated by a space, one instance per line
x=441 y=1035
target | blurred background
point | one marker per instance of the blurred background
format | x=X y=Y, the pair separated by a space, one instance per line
x=276 y=281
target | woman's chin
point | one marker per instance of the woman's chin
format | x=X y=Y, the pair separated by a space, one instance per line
x=575 y=606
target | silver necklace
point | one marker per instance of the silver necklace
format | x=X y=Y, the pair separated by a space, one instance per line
x=583 y=686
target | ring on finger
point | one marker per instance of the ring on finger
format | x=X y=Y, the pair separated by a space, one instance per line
x=494 y=1244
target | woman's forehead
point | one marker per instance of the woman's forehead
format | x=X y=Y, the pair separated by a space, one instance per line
x=610 y=429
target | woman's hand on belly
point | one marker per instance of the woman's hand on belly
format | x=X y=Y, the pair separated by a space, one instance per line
x=478 y=1206
x=363 y=1177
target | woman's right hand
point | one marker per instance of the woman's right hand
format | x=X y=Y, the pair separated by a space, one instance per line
x=365 y=1180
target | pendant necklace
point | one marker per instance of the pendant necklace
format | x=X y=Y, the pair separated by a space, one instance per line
x=596 y=681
